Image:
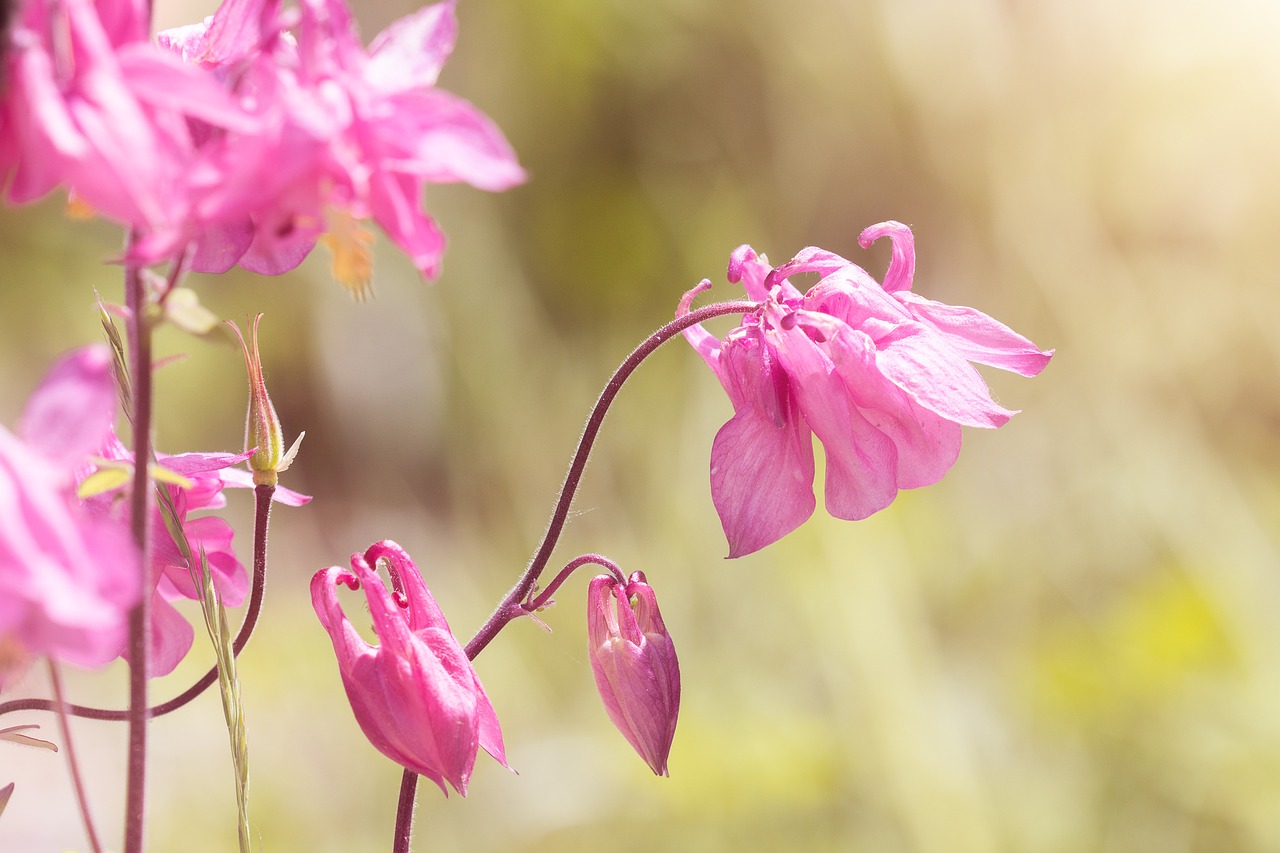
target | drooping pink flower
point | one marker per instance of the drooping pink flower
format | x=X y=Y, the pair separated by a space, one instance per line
x=634 y=664
x=68 y=577
x=171 y=633
x=416 y=696
x=87 y=102
x=880 y=375
x=348 y=135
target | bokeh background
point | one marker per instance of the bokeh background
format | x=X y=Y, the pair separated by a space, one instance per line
x=1070 y=644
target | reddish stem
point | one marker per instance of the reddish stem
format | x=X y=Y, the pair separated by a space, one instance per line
x=139 y=332
x=505 y=610
x=510 y=608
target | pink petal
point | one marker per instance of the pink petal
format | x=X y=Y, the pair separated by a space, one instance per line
x=394 y=203
x=927 y=444
x=410 y=53
x=444 y=139
x=978 y=337
x=923 y=365
x=862 y=462
x=761 y=479
x=70 y=414
x=171 y=637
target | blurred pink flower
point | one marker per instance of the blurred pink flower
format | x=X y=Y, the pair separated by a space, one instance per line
x=634 y=664
x=171 y=634
x=879 y=374
x=88 y=102
x=68 y=577
x=347 y=135
x=416 y=696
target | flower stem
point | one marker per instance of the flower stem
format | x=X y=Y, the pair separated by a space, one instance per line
x=139 y=331
x=509 y=608
x=56 y=679
x=404 y=812
x=544 y=598
x=505 y=610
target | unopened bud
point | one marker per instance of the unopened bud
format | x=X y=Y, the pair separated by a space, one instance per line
x=262 y=432
x=634 y=664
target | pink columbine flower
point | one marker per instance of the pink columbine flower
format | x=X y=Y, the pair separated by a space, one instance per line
x=68 y=577
x=171 y=634
x=416 y=696
x=348 y=135
x=86 y=101
x=634 y=664
x=879 y=374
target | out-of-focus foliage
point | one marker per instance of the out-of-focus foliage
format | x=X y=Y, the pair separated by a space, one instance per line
x=1069 y=644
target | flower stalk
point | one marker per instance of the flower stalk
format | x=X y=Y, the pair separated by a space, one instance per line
x=509 y=607
x=139 y=332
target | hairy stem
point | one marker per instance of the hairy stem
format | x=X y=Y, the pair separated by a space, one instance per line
x=139 y=331
x=55 y=679
x=505 y=610
x=404 y=812
x=510 y=608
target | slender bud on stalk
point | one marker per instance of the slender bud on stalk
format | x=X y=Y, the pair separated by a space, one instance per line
x=634 y=664
x=262 y=432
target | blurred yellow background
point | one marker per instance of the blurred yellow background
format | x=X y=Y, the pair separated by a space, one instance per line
x=1070 y=644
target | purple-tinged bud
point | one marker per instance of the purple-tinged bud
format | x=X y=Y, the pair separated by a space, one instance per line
x=262 y=432
x=634 y=664
x=416 y=696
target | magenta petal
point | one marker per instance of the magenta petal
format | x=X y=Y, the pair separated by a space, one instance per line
x=978 y=337
x=938 y=378
x=927 y=444
x=171 y=637
x=761 y=479
x=410 y=53
x=393 y=201
x=71 y=412
x=446 y=140
x=861 y=476
x=242 y=479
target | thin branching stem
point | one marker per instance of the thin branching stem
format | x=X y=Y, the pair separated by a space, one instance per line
x=55 y=678
x=510 y=607
x=262 y=518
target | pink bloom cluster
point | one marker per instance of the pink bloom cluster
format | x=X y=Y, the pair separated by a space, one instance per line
x=243 y=139
x=416 y=696
x=68 y=576
x=209 y=473
x=880 y=375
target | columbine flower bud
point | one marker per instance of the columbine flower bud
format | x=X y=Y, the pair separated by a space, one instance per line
x=416 y=696
x=635 y=666
x=262 y=427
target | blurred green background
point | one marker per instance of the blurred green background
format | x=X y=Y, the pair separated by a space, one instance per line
x=1070 y=644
